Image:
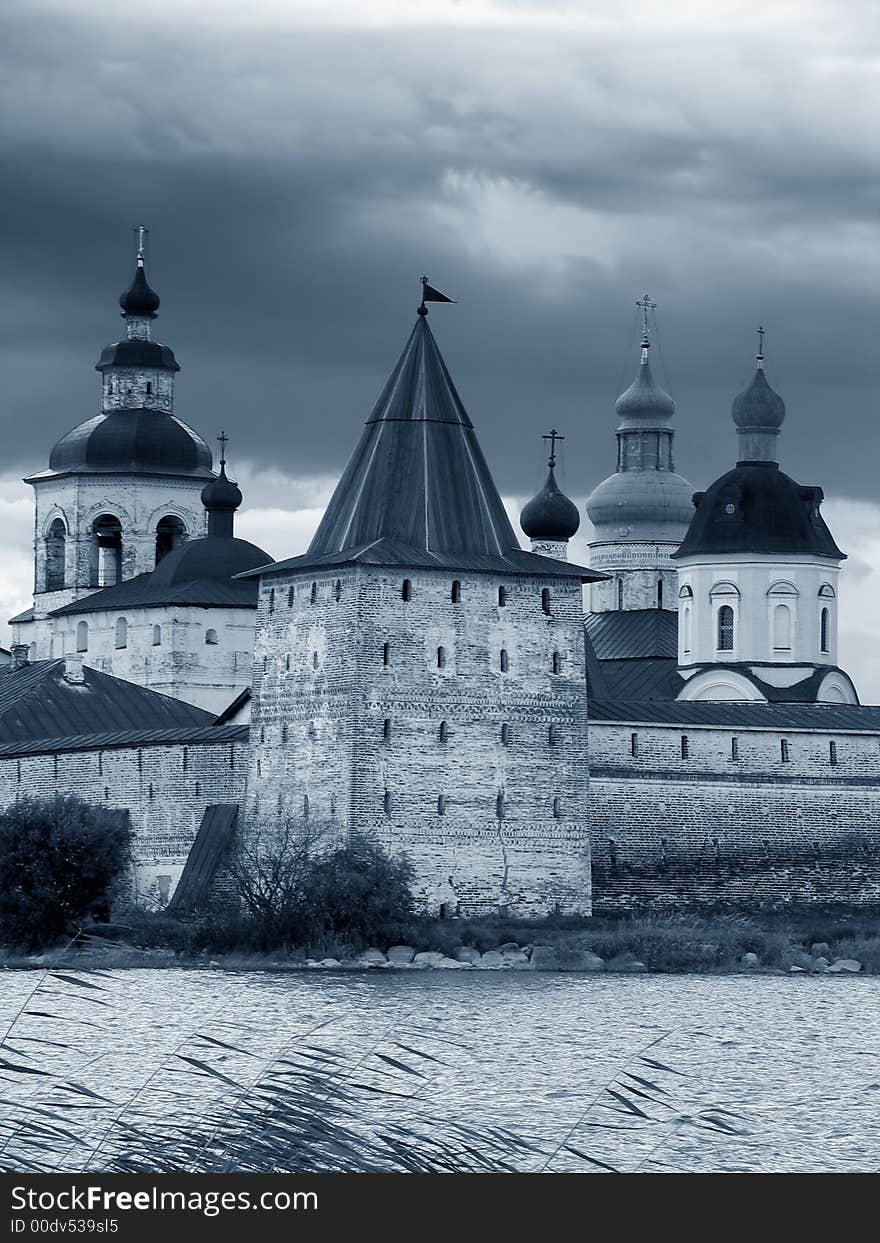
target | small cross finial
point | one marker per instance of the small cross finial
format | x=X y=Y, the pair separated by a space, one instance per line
x=553 y=435
x=645 y=305
x=760 y=344
x=141 y=232
x=223 y=440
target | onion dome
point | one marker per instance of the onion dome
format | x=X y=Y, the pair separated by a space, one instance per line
x=221 y=498
x=550 y=515
x=645 y=399
x=758 y=413
x=132 y=442
x=756 y=508
x=139 y=299
x=644 y=500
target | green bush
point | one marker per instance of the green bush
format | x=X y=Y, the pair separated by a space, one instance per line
x=59 y=859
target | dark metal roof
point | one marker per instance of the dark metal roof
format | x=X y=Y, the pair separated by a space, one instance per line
x=142 y=592
x=418 y=476
x=135 y=352
x=651 y=678
x=815 y=718
x=386 y=552
x=212 y=841
x=637 y=633
x=755 y=508
x=37 y=701
x=176 y=735
x=138 y=441
x=26 y=616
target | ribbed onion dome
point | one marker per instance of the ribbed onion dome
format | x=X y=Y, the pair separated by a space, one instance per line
x=139 y=298
x=221 y=493
x=645 y=398
x=550 y=515
x=758 y=407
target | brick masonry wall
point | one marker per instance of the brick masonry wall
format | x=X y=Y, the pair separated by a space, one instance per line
x=165 y=789
x=707 y=829
x=321 y=748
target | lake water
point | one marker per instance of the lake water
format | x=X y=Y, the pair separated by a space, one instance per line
x=206 y=1069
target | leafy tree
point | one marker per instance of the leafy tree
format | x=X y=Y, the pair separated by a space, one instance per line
x=58 y=861
x=357 y=887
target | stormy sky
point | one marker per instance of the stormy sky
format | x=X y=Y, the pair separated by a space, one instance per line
x=301 y=163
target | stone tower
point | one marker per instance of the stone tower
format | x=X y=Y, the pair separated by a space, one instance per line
x=758 y=572
x=123 y=488
x=641 y=512
x=420 y=677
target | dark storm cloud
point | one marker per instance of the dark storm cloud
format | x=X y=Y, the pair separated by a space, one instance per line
x=299 y=175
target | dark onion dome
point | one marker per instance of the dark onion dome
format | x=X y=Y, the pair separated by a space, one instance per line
x=221 y=493
x=758 y=407
x=645 y=398
x=550 y=515
x=139 y=299
x=756 y=508
x=132 y=442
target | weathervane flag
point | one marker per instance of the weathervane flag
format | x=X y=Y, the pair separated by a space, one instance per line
x=430 y=294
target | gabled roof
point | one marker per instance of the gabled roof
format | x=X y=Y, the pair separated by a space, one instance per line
x=636 y=633
x=650 y=678
x=143 y=592
x=417 y=490
x=38 y=702
x=108 y=740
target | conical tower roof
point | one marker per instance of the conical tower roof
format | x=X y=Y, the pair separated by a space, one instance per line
x=417 y=490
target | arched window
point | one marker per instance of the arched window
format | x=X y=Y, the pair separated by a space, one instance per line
x=505 y=663
x=55 y=548
x=106 y=551
x=686 y=628
x=825 y=631
x=211 y=638
x=306 y=807
x=170 y=532
x=271 y=599
x=725 y=629
x=314 y=660
x=500 y=807
x=557 y=809
x=386 y=803
x=444 y=731
x=121 y=635
x=782 y=628
x=685 y=592
x=620 y=593
x=505 y=735
x=290 y=596
x=659 y=593
x=502 y=597
x=314 y=594
x=545 y=600
x=441 y=657
x=406 y=590
x=157 y=636
x=337 y=591
x=456 y=591
x=149 y=388
x=557 y=663
x=551 y=735
x=82 y=636
x=386 y=654
x=441 y=804
x=386 y=729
